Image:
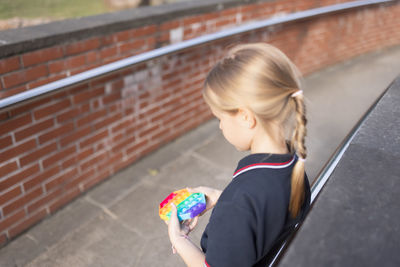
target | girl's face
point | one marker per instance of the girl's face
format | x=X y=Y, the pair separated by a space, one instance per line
x=233 y=129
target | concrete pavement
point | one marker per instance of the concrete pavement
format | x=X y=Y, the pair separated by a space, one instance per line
x=117 y=223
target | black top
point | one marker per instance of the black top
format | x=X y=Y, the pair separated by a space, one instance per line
x=251 y=215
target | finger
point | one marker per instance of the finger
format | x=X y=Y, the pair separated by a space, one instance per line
x=185 y=230
x=193 y=223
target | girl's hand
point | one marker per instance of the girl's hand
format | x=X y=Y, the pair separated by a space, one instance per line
x=212 y=196
x=177 y=230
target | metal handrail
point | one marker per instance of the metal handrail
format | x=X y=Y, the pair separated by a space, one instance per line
x=123 y=63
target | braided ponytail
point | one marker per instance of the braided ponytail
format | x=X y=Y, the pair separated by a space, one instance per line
x=297 y=142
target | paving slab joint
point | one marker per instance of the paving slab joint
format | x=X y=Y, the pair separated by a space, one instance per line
x=102 y=207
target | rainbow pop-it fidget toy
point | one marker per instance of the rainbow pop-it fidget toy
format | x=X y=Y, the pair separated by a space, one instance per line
x=188 y=205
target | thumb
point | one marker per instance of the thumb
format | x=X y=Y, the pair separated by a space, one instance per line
x=199 y=189
x=173 y=224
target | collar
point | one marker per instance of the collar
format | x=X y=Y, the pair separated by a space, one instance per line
x=264 y=161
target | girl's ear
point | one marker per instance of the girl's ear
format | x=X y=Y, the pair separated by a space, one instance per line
x=247 y=118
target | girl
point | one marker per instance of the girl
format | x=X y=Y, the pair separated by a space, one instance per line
x=255 y=93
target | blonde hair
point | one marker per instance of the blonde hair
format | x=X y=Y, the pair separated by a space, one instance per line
x=262 y=78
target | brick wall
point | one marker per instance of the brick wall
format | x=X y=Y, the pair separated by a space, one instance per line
x=56 y=147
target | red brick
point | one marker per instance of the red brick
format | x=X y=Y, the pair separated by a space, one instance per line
x=121 y=144
x=75 y=136
x=46 y=80
x=59 y=156
x=117 y=85
x=8 y=168
x=69 y=162
x=108 y=52
x=46 y=199
x=229 y=12
x=68 y=115
x=37 y=154
x=93 y=161
x=104 y=79
x=161 y=135
x=15 y=151
x=111 y=98
x=27 y=222
x=16 y=178
x=87 y=95
x=34 y=129
x=75 y=61
x=122 y=125
x=149 y=149
x=64 y=199
x=6 y=223
x=9 y=64
x=95 y=138
x=211 y=16
x=12 y=91
x=22 y=201
x=111 y=160
x=137 y=147
x=80 y=179
x=3 y=239
x=43 y=55
x=14 y=123
x=56 y=133
x=105 y=122
x=29 y=106
x=170 y=25
x=148 y=131
x=151 y=43
x=130 y=46
x=84 y=154
x=10 y=195
x=4 y=116
x=86 y=67
x=40 y=178
x=61 y=180
x=5 y=142
x=123 y=35
x=107 y=40
x=57 y=66
x=24 y=76
x=82 y=46
x=91 y=117
x=124 y=163
x=193 y=19
x=99 y=177
x=147 y=30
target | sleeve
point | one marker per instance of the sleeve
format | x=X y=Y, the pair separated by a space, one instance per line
x=231 y=236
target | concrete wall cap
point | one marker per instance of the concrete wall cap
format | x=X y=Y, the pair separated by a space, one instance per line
x=22 y=40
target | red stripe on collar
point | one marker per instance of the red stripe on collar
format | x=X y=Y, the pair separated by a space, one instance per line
x=271 y=165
